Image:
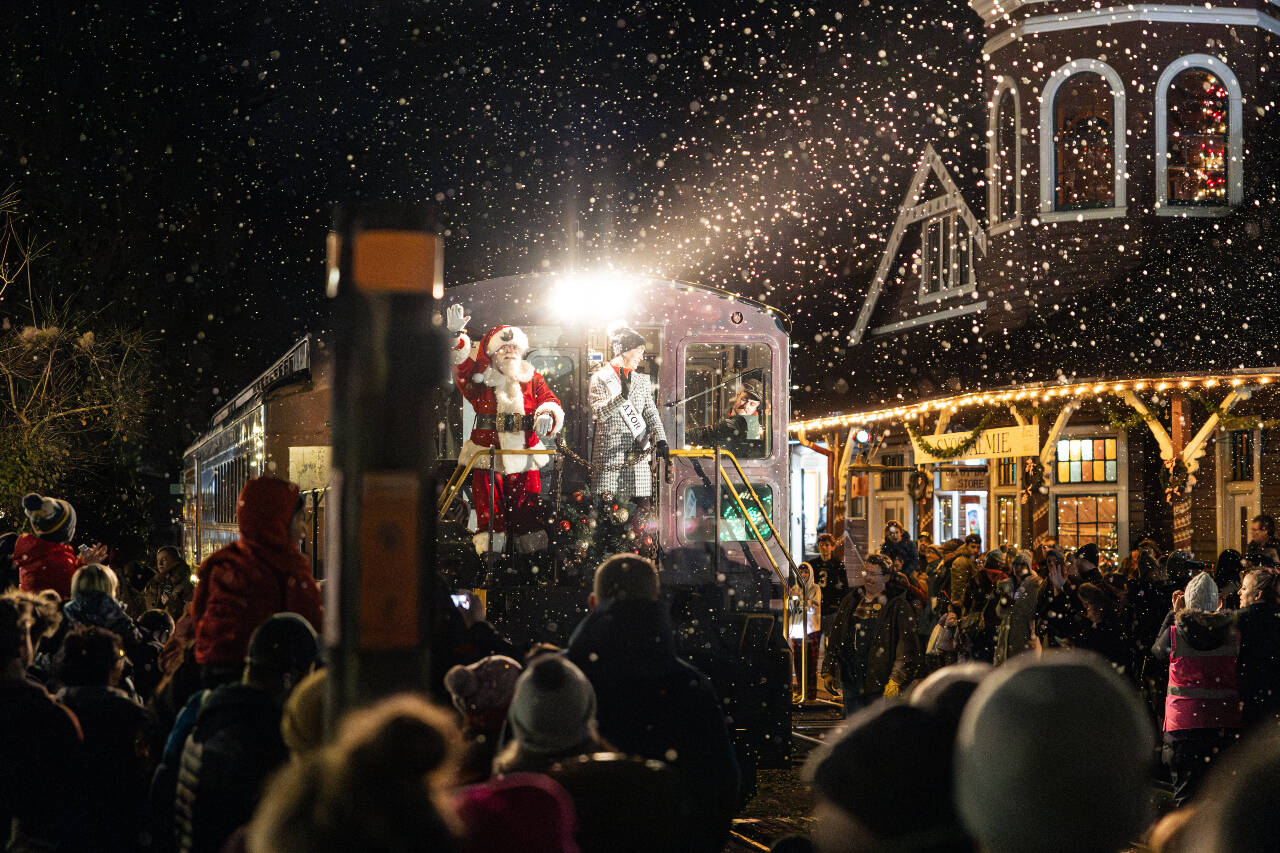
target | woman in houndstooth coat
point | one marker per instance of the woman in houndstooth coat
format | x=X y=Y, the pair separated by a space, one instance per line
x=625 y=419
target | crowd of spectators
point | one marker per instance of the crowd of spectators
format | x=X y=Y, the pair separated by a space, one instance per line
x=1023 y=718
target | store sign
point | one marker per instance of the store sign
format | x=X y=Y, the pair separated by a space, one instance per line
x=963 y=480
x=991 y=444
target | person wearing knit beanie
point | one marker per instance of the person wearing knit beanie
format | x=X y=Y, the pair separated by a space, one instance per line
x=884 y=783
x=52 y=519
x=525 y=811
x=1202 y=593
x=552 y=716
x=44 y=557
x=484 y=687
x=302 y=723
x=482 y=694
x=1053 y=756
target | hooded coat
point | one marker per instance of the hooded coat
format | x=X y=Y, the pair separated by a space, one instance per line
x=259 y=575
x=1201 y=648
x=44 y=565
x=653 y=704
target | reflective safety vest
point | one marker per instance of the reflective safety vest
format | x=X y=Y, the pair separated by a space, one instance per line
x=1202 y=685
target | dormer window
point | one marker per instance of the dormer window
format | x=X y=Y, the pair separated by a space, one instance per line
x=946 y=257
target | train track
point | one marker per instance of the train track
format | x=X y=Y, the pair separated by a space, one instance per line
x=782 y=805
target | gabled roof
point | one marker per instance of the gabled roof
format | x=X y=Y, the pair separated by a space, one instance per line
x=913 y=209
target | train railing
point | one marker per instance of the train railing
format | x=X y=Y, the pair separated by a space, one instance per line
x=718 y=454
x=459 y=475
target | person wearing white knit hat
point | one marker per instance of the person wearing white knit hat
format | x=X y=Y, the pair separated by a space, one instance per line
x=1053 y=756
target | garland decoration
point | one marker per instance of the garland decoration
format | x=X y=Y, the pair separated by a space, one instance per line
x=1228 y=422
x=1175 y=478
x=1034 y=479
x=957 y=452
x=1031 y=410
x=1118 y=419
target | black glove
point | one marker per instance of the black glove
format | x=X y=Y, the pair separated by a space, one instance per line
x=664 y=451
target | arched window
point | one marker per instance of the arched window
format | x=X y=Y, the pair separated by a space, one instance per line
x=1198 y=145
x=1004 y=156
x=1082 y=133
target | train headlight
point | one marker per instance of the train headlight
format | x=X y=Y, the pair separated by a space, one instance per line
x=589 y=296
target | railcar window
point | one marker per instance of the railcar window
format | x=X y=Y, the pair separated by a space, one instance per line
x=559 y=367
x=721 y=385
x=699 y=512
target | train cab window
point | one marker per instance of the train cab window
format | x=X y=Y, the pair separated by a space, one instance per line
x=560 y=368
x=727 y=395
x=698 y=512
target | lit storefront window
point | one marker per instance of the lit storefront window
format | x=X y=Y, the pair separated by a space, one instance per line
x=1087 y=460
x=1087 y=518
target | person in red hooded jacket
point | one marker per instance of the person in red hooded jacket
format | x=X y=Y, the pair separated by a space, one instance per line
x=45 y=558
x=244 y=584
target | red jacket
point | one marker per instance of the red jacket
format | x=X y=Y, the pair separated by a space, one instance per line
x=261 y=574
x=45 y=565
x=492 y=392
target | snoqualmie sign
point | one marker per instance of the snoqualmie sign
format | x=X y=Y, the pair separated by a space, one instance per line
x=991 y=444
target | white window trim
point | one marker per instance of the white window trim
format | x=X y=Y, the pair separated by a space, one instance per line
x=1120 y=488
x=923 y=296
x=994 y=187
x=1048 y=170
x=1146 y=13
x=1235 y=137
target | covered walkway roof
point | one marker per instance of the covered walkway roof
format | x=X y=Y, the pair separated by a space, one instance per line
x=1043 y=393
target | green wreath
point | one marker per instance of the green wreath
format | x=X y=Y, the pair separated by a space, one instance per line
x=919 y=486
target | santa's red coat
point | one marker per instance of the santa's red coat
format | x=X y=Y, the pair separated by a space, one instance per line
x=492 y=392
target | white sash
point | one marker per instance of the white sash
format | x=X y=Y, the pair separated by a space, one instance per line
x=630 y=416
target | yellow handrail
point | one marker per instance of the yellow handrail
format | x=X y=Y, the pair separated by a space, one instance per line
x=707 y=453
x=459 y=475
x=767 y=520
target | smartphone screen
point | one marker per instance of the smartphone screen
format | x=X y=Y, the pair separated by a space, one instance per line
x=461 y=600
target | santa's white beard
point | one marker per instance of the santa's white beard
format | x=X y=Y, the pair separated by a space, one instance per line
x=513 y=367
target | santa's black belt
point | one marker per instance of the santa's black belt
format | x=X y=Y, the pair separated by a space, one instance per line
x=504 y=423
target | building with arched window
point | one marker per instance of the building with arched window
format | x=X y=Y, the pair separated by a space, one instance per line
x=1078 y=336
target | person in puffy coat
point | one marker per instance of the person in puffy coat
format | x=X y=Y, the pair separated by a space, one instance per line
x=243 y=584
x=45 y=558
x=1202 y=705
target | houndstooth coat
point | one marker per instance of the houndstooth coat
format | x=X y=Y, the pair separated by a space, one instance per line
x=612 y=438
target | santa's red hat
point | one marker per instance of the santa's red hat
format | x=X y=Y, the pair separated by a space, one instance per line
x=500 y=336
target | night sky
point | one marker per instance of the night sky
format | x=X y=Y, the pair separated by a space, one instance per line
x=183 y=161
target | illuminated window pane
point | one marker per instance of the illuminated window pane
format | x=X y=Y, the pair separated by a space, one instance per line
x=1088 y=518
x=1082 y=143
x=1097 y=460
x=1199 y=113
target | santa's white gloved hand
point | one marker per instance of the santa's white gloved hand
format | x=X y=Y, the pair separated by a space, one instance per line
x=544 y=423
x=455 y=319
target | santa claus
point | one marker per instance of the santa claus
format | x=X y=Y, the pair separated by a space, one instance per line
x=515 y=410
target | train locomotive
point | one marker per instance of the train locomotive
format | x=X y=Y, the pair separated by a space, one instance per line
x=718 y=502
